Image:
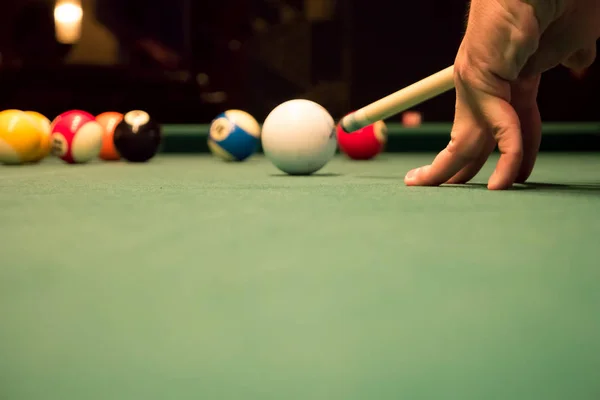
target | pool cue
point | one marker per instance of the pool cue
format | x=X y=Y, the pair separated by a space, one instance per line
x=402 y=100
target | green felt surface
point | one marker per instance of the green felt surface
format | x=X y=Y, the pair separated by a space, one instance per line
x=429 y=137
x=188 y=278
x=426 y=128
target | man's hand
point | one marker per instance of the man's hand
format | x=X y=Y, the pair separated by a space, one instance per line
x=508 y=44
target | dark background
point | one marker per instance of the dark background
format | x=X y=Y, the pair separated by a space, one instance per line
x=248 y=54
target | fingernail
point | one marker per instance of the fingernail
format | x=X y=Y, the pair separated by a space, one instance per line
x=411 y=174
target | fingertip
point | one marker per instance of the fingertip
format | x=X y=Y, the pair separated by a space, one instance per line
x=418 y=176
x=497 y=185
x=506 y=171
x=499 y=182
x=411 y=177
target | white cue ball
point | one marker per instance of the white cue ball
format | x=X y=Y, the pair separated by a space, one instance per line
x=299 y=137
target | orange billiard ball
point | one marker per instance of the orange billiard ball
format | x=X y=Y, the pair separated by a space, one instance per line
x=109 y=120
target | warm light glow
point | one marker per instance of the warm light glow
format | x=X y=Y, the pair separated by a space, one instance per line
x=67 y=13
x=67 y=21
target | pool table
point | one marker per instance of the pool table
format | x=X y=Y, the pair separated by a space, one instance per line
x=191 y=278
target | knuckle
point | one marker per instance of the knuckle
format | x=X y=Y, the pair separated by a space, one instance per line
x=468 y=74
x=472 y=74
x=522 y=37
x=463 y=70
x=524 y=43
x=465 y=146
x=509 y=140
x=581 y=59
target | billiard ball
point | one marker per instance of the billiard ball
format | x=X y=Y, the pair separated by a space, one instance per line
x=365 y=143
x=411 y=119
x=137 y=137
x=234 y=135
x=299 y=137
x=109 y=120
x=44 y=126
x=19 y=137
x=76 y=137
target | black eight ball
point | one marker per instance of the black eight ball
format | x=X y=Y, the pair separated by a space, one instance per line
x=137 y=137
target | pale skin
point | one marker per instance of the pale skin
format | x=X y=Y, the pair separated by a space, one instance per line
x=507 y=46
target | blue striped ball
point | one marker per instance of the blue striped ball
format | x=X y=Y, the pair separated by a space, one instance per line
x=234 y=135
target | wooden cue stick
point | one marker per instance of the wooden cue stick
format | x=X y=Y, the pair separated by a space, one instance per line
x=403 y=99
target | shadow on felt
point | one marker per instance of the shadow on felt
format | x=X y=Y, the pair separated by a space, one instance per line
x=317 y=175
x=388 y=177
x=562 y=187
x=541 y=187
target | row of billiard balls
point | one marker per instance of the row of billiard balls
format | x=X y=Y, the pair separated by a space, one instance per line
x=77 y=136
x=298 y=136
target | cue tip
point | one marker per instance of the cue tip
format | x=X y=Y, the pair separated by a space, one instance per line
x=349 y=124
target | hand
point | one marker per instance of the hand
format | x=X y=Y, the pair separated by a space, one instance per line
x=507 y=45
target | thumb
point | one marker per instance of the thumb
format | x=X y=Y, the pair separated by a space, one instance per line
x=581 y=59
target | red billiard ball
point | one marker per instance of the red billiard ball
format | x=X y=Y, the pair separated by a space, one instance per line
x=137 y=137
x=364 y=144
x=76 y=137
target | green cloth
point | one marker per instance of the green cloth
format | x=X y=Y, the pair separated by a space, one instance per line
x=428 y=137
x=190 y=278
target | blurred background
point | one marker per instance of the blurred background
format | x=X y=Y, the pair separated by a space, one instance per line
x=184 y=61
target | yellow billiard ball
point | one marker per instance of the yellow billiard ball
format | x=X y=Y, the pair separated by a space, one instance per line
x=19 y=137
x=45 y=144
